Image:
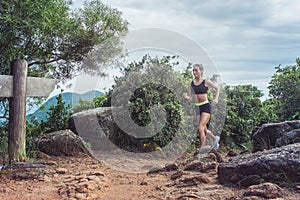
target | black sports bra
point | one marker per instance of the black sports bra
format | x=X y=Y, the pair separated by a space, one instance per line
x=199 y=89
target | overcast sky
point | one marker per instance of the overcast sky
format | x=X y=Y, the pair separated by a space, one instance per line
x=244 y=39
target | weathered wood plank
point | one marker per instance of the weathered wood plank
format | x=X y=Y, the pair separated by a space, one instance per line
x=17 y=112
x=39 y=87
x=36 y=87
x=6 y=86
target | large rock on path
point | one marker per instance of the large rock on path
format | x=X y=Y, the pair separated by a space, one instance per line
x=279 y=165
x=62 y=143
x=265 y=136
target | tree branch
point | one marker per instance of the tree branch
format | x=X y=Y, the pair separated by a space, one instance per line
x=45 y=62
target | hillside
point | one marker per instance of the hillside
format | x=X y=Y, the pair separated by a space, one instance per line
x=68 y=97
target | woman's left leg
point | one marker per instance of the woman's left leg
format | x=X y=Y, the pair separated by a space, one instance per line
x=202 y=129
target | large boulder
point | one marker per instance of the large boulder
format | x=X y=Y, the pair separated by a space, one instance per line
x=278 y=165
x=62 y=143
x=265 y=136
x=94 y=126
x=88 y=119
x=98 y=128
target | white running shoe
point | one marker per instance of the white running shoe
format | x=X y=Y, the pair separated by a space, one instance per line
x=216 y=143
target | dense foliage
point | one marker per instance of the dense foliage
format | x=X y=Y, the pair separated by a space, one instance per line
x=154 y=104
x=55 y=39
x=243 y=110
x=285 y=90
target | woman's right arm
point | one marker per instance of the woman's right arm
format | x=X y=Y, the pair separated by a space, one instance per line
x=188 y=95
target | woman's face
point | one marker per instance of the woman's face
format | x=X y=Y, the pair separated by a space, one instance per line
x=196 y=71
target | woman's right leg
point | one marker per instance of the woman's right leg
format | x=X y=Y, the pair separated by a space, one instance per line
x=216 y=139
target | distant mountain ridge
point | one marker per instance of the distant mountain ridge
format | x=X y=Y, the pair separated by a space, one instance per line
x=68 y=97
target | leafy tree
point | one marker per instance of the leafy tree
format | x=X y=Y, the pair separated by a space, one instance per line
x=58 y=116
x=55 y=39
x=243 y=109
x=285 y=89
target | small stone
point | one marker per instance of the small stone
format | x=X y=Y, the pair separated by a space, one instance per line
x=232 y=153
x=82 y=189
x=79 y=177
x=82 y=180
x=92 y=186
x=94 y=178
x=51 y=163
x=62 y=191
x=44 y=178
x=265 y=190
x=41 y=155
x=97 y=173
x=194 y=166
x=61 y=170
x=55 y=175
x=211 y=156
x=59 y=185
x=144 y=183
x=80 y=196
x=68 y=179
x=171 y=167
x=209 y=167
x=195 y=180
x=176 y=175
x=71 y=192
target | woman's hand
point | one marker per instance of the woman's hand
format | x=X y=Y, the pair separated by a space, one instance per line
x=215 y=101
x=185 y=95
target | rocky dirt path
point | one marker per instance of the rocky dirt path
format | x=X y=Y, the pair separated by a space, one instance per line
x=84 y=177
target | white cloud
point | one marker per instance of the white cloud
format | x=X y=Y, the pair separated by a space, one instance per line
x=243 y=38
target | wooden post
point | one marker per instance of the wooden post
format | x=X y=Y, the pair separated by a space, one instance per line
x=17 y=113
x=17 y=87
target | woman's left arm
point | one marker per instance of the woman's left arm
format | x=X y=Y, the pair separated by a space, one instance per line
x=216 y=88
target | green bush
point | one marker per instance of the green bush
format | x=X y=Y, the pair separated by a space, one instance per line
x=155 y=104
